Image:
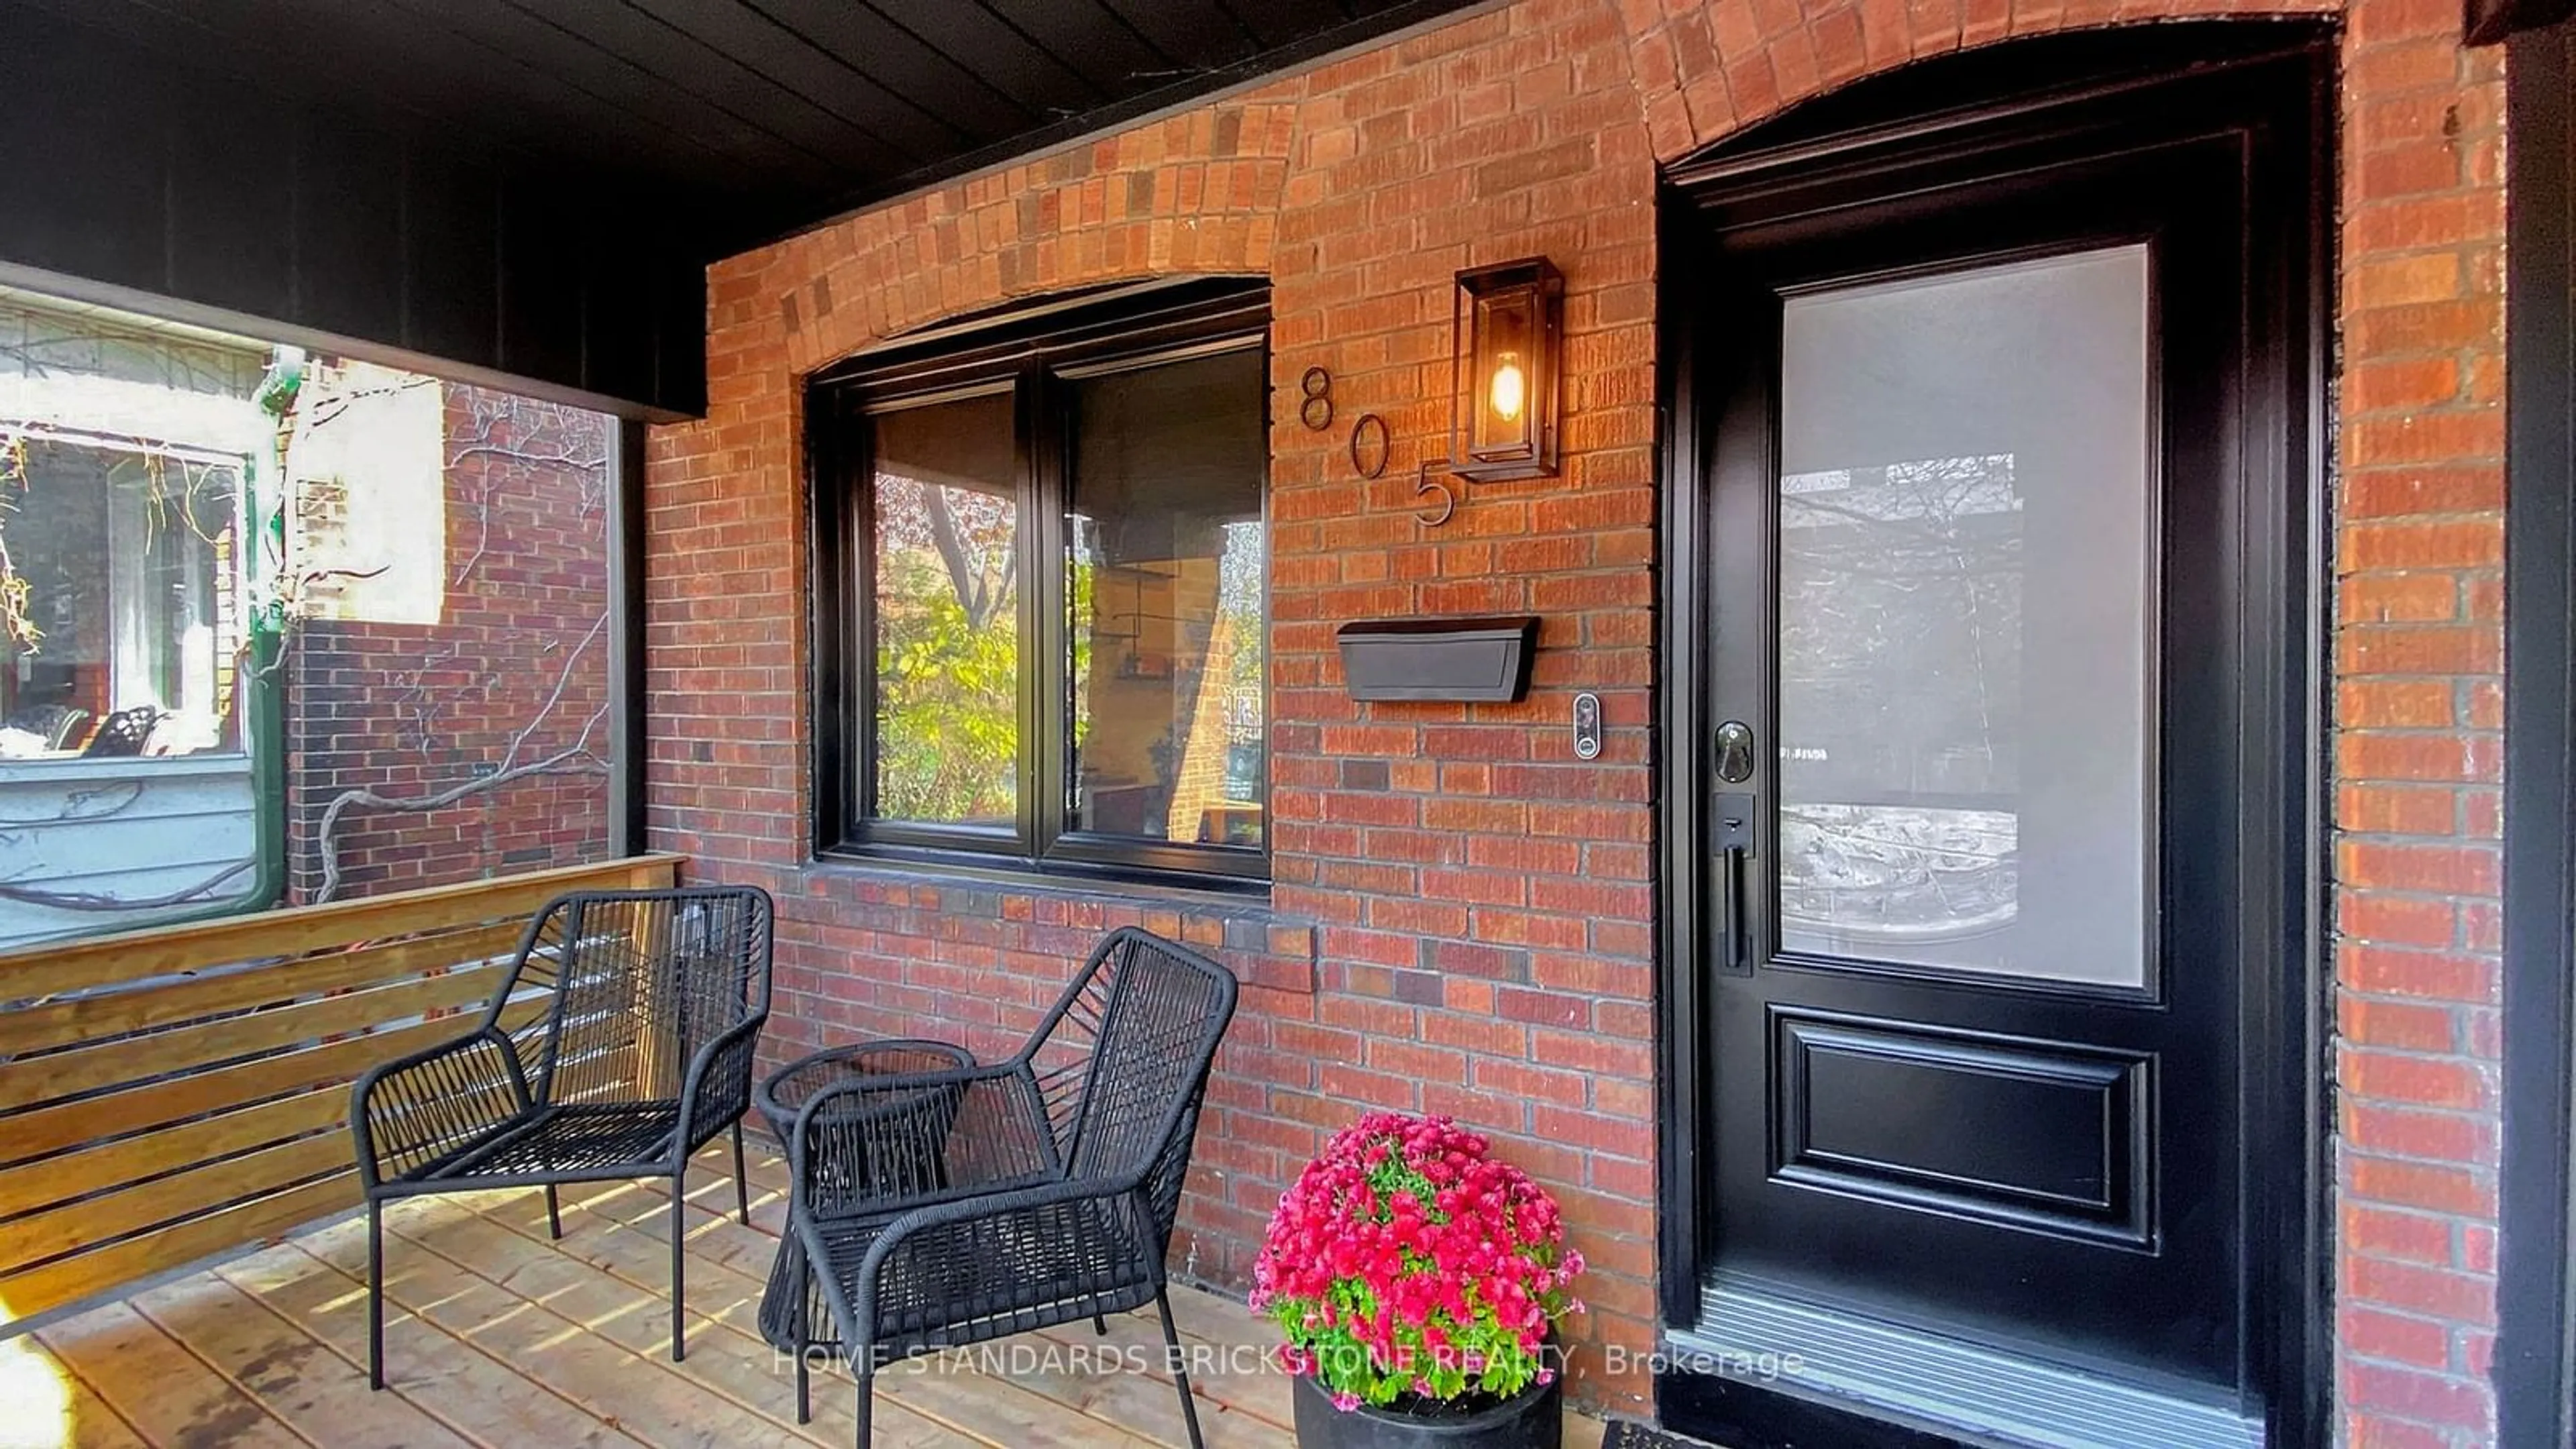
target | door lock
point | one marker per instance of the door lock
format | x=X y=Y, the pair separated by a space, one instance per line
x=1735 y=752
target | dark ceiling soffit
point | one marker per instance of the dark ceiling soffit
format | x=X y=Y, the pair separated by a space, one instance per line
x=2490 y=21
x=255 y=328
x=1384 y=27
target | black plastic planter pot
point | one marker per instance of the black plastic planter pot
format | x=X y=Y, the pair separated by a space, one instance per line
x=1533 y=1419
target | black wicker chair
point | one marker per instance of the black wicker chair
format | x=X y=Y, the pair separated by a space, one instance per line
x=950 y=1208
x=126 y=732
x=644 y=1009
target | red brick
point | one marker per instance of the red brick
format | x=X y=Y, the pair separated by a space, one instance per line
x=2454 y=1297
x=2449 y=1137
x=2438 y=975
x=2397 y=1025
x=2396 y=809
x=2422 y=1185
x=2425 y=1081
x=2464 y=870
x=2394 y=703
x=2388 y=1233
x=2418 y=1396
x=2370 y=1333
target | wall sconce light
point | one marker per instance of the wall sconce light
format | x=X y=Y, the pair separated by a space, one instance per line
x=1509 y=341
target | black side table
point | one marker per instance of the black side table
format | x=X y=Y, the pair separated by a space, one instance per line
x=792 y=1326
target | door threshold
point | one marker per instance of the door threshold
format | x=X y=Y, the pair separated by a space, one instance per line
x=1924 y=1381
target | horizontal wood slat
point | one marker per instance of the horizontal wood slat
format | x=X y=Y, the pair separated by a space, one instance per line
x=30 y=1080
x=45 y=971
x=67 y=1280
x=171 y=1093
x=88 y=1018
x=56 y=1232
x=332 y=1066
x=131 y=1159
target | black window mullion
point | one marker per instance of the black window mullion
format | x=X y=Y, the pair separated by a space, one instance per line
x=857 y=484
x=843 y=675
x=1041 y=617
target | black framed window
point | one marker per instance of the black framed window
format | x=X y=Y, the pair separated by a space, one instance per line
x=1042 y=577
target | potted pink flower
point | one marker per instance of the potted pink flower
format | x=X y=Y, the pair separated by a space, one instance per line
x=1419 y=1282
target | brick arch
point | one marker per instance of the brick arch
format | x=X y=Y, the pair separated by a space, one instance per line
x=1708 y=72
x=1198 y=193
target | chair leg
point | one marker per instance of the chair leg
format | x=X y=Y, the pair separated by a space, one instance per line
x=867 y=1398
x=1100 y=1325
x=741 y=1179
x=1180 y=1374
x=804 y=1334
x=679 y=1314
x=554 y=1213
x=375 y=1294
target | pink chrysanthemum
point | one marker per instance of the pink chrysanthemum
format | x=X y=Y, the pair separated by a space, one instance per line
x=1407 y=1262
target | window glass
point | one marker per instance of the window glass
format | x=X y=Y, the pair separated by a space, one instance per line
x=947 y=613
x=1055 y=563
x=1966 y=620
x=1164 y=594
x=121 y=619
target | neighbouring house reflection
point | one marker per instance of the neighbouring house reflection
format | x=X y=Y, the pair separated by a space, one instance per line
x=1901 y=621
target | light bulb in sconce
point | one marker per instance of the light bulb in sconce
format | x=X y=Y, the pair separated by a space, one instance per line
x=1510 y=389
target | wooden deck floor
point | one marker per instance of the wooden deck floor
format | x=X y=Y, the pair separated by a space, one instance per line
x=496 y=1336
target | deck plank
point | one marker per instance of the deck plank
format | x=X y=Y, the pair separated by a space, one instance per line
x=44 y=1405
x=1066 y=1365
x=727 y=1360
x=295 y=1379
x=1228 y=1369
x=636 y=1394
x=165 y=1392
x=1217 y=1328
x=89 y=1423
x=995 y=1411
x=478 y=1396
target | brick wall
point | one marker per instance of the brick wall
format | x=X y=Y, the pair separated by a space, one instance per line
x=1462 y=918
x=408 y=711
x=2418 y=706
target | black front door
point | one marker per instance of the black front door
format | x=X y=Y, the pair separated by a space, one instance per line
x=2000 y=686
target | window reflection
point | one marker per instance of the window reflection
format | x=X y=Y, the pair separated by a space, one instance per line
x=947 y=622
x=124 y=619
x=1966 y=617
x=1166 y=560
x=1901 y=653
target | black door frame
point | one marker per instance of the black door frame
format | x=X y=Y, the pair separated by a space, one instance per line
x=2104 y=79
x=2535 y=1362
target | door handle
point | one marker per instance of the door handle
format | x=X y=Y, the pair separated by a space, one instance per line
x=1733 y=838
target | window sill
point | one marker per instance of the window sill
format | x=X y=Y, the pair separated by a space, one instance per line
x=1081 y=876
x=74 y=769
x=1266 y=949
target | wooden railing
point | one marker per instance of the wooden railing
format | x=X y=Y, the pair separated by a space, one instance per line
x=170 y=1094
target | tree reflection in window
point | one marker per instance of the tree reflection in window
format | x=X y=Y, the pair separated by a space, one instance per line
x=947 y=614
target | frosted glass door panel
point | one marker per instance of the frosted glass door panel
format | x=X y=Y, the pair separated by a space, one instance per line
x=1966 y=621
